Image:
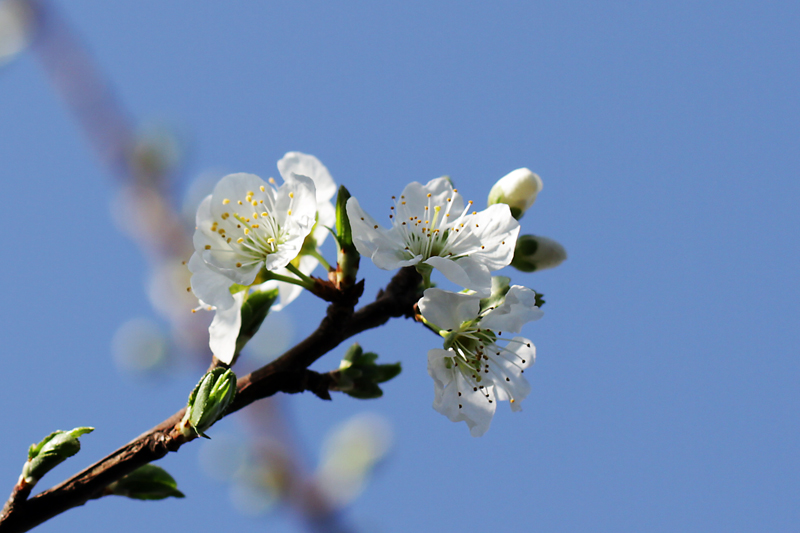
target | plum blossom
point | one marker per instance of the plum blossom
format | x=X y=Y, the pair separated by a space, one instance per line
x=432 y=228
x=472 y=373
x=245 y=225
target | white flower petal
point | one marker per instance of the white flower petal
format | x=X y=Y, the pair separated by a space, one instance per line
x=437 y=369
x=513 y=387
x=307 y=165
x=297 y=199
x=209 y=286
x=466 y=271
x=518 y=308
x=448 y=310
x=456 y=398
x=224 y=329
x=497 y=232
x=373 y=241
x=326 y=218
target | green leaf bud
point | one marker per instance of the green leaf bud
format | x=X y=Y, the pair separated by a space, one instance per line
x=208 y=402
x=50 y=452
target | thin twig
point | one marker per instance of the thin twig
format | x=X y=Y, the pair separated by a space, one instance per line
x=289 y=374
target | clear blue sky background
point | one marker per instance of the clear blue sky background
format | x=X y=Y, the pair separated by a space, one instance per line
x=665 y=394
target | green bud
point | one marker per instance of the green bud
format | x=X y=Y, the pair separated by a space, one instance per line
x=347 y=256
x=208 y=402
x=518 y=189
x=359 y=375
x=537 y=253
x=149 y=482
x=50 y=452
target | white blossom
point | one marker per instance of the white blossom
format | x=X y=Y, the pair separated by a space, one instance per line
x=472 y=373
x=432 y=228
x=245 y=225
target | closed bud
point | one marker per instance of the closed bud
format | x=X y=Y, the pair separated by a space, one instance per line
x=208 y=402
x=537 y=253
x=517 y=189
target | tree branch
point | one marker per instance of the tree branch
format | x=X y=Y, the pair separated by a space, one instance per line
x=289 y=374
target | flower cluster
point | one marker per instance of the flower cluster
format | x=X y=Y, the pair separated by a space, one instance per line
x=432 y=228
x=255 y=236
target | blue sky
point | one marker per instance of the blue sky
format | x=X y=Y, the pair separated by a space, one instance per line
x=665 y=393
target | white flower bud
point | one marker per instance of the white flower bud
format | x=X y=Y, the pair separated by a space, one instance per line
x=517 y=189
x=537 y=253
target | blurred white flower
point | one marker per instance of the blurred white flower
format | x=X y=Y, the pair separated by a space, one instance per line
x=16 y=27
x=350 y=453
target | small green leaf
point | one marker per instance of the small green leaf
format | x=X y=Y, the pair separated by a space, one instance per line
x=149 y=482
x=386 y=372
x=365 y=391
x=359 y=375
x=51 y=451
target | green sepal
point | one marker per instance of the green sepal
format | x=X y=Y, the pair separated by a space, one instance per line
x=539 y=299
x=347 y=257
x=237 y=288
x=254 y=310
x=344 y=234
x=149 y=482
x=51 y=451
x=359 y=375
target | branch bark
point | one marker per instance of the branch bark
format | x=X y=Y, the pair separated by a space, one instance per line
x=289 y=373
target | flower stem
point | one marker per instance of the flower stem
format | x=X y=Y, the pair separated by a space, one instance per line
x=307 y=282
x=287 y=279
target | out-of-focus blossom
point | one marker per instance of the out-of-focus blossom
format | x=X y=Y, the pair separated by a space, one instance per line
x=349 y=455
x=16 y=27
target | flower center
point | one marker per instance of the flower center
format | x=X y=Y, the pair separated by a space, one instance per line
x=251 y=236
x=431 y=232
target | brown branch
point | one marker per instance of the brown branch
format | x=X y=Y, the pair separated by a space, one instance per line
x=289 y=374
